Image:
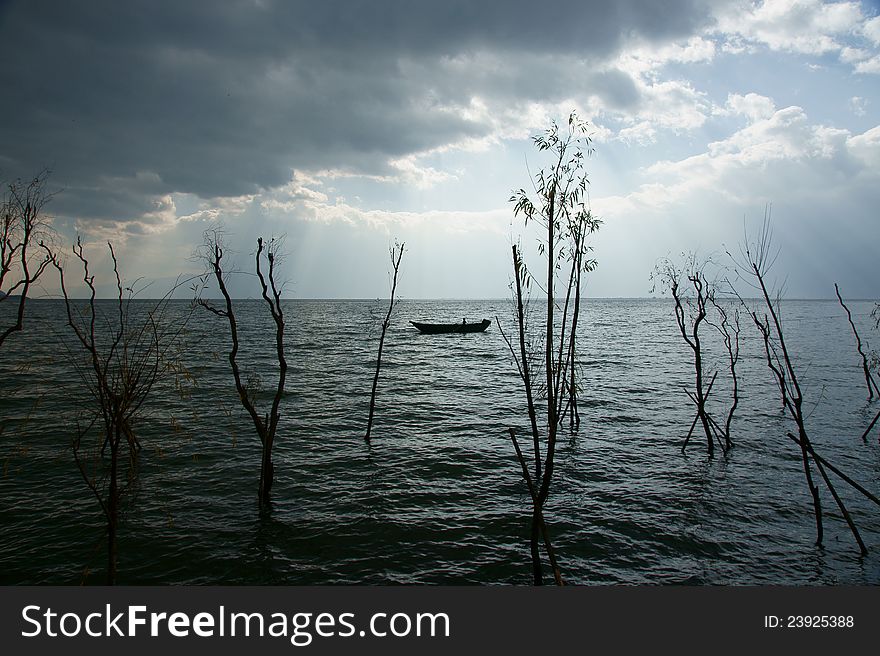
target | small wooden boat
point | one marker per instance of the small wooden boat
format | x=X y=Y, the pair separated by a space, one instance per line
x=463 y=327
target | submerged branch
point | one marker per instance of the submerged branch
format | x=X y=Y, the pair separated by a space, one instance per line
x=396 y=253
x=869 y=378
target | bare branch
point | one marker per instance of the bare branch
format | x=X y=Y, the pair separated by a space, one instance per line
x=396 y=254
x=22 y=228
x=119 y=378
x=266 y=426
x=869 y=378
x=759 y=258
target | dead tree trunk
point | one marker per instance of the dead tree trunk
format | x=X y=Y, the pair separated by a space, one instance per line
x=396 y=254
x=126 y=355
x=113 y=511
x=869 y=379
x=267 y=469
x=693 y=341
x=757 y=260
x=692 y=305
x=266 y=426
x=730 y=335
x=21 y=224
x=870 y=426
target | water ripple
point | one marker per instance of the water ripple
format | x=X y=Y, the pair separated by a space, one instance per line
x=437 y=497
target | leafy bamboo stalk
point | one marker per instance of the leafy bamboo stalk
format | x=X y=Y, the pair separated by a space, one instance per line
x=522 y=360
x=548 y=545
x=575 y=417
x=559 y=209
x=527 y=379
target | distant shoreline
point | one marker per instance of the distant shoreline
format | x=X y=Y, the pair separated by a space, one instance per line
x=441 y=299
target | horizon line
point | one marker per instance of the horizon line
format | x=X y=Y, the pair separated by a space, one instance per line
x=431 y=298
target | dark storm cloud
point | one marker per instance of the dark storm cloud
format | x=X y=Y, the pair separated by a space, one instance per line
x=129 y=100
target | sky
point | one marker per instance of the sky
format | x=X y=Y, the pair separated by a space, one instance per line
x=346 y=124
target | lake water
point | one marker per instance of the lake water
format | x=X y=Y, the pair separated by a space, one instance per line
x=438 y=496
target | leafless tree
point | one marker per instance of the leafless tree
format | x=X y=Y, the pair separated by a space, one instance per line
x=754 y=263
x=265 y=425
x=869 y=378
x=558 y=206
x=396 y=254
x=694 y=294
x=126 y=352
x=874 y=363
x=22 y=227
x=729 y=332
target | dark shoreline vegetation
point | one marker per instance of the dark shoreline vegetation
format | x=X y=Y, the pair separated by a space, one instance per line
x=122 y=387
